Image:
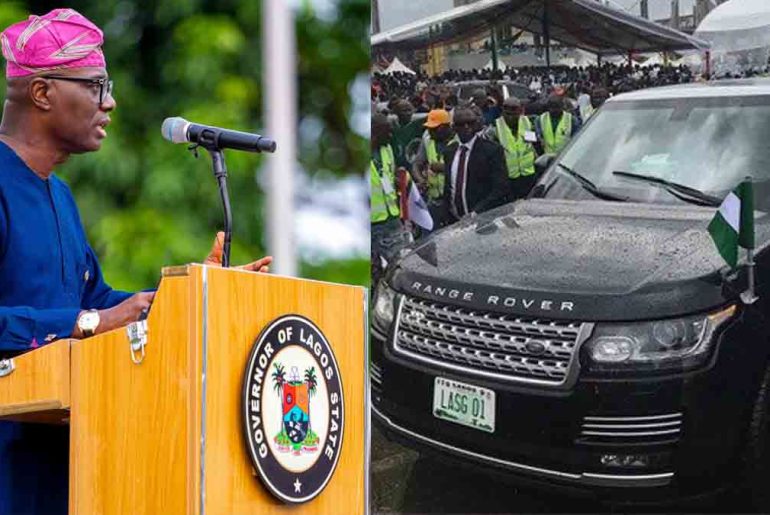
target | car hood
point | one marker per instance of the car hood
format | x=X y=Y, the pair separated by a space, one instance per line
x=574 y=259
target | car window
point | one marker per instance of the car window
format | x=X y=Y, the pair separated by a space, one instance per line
x=707 y=144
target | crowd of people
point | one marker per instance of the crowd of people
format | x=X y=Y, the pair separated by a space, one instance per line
x=541 y=81
x=448 y=157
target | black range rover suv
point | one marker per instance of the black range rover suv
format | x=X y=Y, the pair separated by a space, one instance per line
x=591 y=336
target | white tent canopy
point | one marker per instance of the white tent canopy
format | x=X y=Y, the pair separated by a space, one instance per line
x=694 y=61
x=739 y=33
x=737 y=15
x=658 y=59
x=397 y=66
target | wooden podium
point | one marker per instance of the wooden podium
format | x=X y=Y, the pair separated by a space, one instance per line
x=166 y=435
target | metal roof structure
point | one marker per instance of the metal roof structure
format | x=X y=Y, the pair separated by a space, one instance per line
x=585 y=24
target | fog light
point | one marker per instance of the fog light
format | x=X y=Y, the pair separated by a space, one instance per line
x=625 y=460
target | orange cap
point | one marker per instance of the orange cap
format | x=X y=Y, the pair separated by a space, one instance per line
x=437 y=117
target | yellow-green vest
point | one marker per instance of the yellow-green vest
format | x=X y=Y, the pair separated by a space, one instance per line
x=435 y=180
x=384 y=205
x=519 y=153
x=553 y=143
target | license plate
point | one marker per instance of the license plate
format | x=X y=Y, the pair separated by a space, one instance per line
x=465 y=404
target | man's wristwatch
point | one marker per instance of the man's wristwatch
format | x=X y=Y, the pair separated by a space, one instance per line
x=88 y=322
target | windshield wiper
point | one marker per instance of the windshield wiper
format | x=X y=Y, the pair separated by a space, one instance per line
x=680 y=191
x=589 y=186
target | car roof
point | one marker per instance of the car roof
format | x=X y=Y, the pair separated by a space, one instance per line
x=717 y=88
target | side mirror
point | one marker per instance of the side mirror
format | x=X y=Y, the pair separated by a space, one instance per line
x=543 y=162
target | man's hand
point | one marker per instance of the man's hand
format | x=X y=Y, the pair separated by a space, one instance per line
x=437 y=168
x=121 y=315
x=215 y=257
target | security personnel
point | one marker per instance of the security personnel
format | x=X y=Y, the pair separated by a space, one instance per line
x=385 y=213
x=556 y=126
x=514 y=132
x=429 y=164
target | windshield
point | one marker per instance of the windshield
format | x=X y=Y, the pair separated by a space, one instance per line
x=709 y=144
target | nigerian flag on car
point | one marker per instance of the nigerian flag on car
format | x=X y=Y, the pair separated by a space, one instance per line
x=733 y=225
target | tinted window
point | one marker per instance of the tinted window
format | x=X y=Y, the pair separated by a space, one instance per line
x=709 y=144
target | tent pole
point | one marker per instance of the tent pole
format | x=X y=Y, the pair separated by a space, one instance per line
x=431 y=63
x=708 y=64
x=493 y=45
x=547 y=35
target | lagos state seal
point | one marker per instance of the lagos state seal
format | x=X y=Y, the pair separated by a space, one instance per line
x=293 y=409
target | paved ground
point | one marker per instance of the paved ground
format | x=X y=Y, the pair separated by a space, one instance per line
x=404 y=482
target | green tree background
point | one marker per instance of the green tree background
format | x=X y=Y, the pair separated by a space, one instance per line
x=147 y=203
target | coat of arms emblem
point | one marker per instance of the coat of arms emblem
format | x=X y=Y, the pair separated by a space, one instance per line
x=296 y=391
x=293 y=409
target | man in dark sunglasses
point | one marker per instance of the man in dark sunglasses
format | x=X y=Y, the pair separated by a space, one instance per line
x=476 y=176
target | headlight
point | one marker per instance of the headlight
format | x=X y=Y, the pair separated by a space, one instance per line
x=663 y=345
x=384 y=309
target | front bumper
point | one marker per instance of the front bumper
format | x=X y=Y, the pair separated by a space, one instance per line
x=582 y=479
x=540 y=434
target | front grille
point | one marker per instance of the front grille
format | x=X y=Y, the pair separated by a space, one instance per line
x=628 y=430
x=501 y=346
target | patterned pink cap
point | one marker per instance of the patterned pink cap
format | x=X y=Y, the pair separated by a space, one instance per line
x=63 y=38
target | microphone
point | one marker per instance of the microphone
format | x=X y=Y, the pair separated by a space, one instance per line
x=179 y=130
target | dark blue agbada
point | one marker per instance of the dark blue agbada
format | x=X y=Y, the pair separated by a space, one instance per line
x=48 y=274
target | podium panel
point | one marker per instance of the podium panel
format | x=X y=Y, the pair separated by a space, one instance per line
x=167 y=432
x=38 y=387
x=230 y=485
x=133 y=427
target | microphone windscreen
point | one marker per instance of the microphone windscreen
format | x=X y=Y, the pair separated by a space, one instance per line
x=175 y=129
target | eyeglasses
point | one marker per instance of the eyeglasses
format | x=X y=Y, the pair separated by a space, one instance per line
x=105 y=85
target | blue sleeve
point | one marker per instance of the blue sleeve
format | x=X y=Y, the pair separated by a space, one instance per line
x=98 y=294
x=3 y=226
x=24 y=328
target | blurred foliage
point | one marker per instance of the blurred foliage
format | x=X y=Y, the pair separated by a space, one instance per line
x=146 y=202
x=343 y=269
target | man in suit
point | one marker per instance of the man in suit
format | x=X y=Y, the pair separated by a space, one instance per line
x=476 y=178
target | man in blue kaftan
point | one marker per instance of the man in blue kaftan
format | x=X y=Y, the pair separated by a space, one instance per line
x=58 y=100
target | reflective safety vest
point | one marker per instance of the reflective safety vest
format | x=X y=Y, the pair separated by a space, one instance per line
x=553 y=143
x=435 y=180
x=384 y=203
x=519 y=153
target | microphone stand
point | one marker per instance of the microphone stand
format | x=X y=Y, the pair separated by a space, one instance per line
x=208 y=140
